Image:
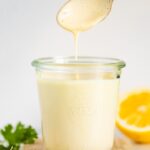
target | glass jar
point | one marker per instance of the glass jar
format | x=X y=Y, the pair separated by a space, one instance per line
x=78 y=101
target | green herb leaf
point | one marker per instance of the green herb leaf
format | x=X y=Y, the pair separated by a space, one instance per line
x=17 y=136
x=3 y=148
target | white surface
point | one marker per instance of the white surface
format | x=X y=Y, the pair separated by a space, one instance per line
x=28 y=30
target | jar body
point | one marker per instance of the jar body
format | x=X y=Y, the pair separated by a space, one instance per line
x=78 y=106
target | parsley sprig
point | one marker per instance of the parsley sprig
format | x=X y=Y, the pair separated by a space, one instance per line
x=15 y=136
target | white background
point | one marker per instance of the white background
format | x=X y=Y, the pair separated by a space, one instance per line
x=28 y=30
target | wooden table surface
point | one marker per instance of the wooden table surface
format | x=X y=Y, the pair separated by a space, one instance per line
x=120 y=144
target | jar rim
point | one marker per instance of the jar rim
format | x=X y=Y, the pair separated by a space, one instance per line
x=48 y=63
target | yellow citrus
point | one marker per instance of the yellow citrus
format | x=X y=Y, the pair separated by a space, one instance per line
x=134 y=116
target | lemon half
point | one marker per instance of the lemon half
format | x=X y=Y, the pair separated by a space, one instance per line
x=134 y=116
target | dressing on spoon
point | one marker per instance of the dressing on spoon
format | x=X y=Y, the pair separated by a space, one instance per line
x=79 y=15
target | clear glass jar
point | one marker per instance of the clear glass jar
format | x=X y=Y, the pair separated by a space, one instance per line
x=78 y=101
